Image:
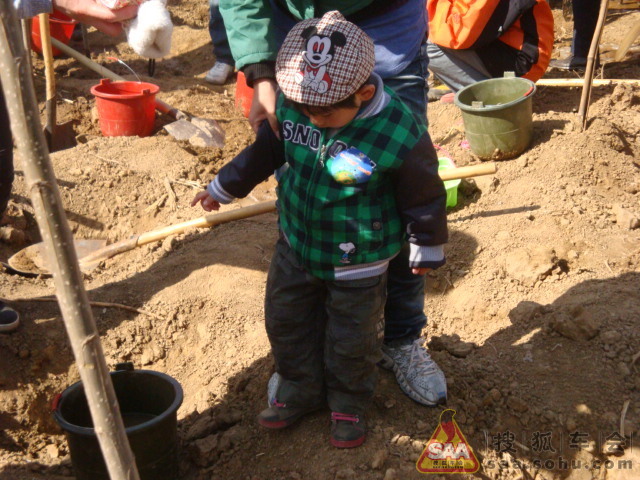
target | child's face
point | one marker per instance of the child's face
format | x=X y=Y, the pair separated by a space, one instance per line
x=335 y=118
x=340 y=116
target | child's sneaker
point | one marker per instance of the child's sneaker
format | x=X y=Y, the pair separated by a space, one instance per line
x=347 y=431
x=280 y=416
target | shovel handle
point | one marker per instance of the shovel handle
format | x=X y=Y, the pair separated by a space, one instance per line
x=241 y=213
x=470 y=171
x=270 y=206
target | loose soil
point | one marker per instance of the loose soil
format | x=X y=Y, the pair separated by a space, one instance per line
x=535 y=319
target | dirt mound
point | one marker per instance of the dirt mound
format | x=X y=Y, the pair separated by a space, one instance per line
x=534 y=319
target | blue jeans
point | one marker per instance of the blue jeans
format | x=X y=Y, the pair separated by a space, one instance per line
x=404 y=310
x=6 y=155
x=218 y=34
x=456 y=68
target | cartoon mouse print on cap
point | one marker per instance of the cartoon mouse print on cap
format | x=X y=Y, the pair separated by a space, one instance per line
x=319 y=52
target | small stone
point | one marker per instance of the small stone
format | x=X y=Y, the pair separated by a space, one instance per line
x=390 y=403
x=52 y=451
x=204 y=451
x=345 y=474
x=517 y=404
x=169 y=243
x=390 y=474
x=378 y=459
x=610 y=337
x=403 y=440
x=417 y=446
x=200 y=428
x=625 y=218
x=460 y=349
x=13 y=236
x=624 y=369
x=576 y=324
x=492 y=397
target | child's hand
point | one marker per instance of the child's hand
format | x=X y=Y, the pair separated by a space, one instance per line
x=206 y=200
x=420 y=271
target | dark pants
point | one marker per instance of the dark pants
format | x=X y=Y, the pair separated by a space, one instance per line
x=585 y=18
x=218 y=34
x=6 y=155
x=325 y=335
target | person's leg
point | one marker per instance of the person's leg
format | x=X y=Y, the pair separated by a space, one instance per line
x=456 y=68
x=295 y=323
x=6 y=155
x=9 y=319
x=585 y=18
x=352 y=349
x=418 y=375
x=412 y=86
x=404 y=310
x=224 y=60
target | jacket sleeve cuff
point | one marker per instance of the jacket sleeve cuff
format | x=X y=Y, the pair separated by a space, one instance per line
x=256 y=71
x=426 y=256
x=218 y=193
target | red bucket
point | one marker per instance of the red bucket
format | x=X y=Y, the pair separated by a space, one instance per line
x=125 y=108
x=61 y=27
x=244 y=94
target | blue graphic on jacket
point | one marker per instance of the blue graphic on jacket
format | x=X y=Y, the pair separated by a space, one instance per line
x=351 y=167
x=348 y=249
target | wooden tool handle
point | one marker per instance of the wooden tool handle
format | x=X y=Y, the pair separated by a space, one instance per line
x=241 y=213
x=47 y=54
x=466 y=172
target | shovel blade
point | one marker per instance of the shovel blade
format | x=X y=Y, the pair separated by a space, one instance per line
x=200 y=132
x=32 y=260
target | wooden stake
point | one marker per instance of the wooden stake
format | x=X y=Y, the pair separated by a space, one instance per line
x=591 y=62
x=54 y=229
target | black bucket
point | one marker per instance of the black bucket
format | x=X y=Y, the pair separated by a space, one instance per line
x=149 y=402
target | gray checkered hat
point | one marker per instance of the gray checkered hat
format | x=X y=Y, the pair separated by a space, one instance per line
x=323 y=61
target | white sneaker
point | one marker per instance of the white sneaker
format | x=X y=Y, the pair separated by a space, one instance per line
x=417 y=374
x=219 y=73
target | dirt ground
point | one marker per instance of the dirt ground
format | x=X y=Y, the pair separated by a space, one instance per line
x=535 y=319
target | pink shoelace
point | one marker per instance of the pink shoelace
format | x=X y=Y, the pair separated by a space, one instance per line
x=346 y=417
x=278 y=404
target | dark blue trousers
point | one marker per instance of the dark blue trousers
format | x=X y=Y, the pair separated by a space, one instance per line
x=585 y=17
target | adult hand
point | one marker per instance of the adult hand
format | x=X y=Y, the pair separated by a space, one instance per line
x=263 y=105
x=93 y=13
x=206 y=200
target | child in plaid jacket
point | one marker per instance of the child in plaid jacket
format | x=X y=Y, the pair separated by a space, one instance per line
x=358 y=177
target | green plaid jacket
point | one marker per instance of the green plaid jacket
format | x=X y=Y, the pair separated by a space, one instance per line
x=335 y=228
x=319 y=215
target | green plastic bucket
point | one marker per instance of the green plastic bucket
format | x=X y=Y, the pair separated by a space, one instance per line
x=497 y=116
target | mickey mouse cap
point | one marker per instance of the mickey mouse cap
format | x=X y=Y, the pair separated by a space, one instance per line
x=323 y=61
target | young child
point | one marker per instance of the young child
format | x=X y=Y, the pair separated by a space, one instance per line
x=360 y=177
